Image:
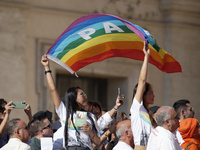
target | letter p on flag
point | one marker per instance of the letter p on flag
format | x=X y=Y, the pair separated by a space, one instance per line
x=86 y=33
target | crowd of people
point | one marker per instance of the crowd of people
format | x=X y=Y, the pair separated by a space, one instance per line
x=147 y=128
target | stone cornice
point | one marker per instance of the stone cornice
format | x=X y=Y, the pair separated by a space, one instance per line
x=190 y=6
x=181 y=12
x=165 y=11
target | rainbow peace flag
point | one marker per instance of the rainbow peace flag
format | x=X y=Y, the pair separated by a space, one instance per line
x=96 y=37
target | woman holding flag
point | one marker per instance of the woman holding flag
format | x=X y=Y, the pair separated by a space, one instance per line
x=141 y=118
x=75 y=99
x=70 y=136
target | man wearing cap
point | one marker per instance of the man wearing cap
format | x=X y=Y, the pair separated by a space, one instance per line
x=125 y=135
x=162 y=137
x=40 y=127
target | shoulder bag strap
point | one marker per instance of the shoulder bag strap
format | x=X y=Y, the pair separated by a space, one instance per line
x=191 y=144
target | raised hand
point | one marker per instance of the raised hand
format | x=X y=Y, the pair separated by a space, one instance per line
x=28 y=112
x=146 y=49
x=8 y=107
x=45 y=61
x=27 y=109
x=119 y=101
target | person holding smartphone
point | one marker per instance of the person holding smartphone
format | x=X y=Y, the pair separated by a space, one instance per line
x=141 y=119
x=5 y=109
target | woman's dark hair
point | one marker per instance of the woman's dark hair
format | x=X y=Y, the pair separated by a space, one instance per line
x=72 y=107
x=92 y=105
x=2 y=101
x=147 y=88
x=2 y=109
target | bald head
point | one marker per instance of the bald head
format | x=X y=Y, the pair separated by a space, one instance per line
x=162 y=114
x=125 y=122
x=124 y=132
x=166 y=117
x=123 y=126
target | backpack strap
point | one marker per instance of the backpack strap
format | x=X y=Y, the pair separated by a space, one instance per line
x=191 y=144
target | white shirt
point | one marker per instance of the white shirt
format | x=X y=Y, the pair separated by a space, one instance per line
x=162 y=139
x=140 y=123
x=179 y=137
x=73 y=138
x=104 y=121
x=122 y=146
x=15 y=144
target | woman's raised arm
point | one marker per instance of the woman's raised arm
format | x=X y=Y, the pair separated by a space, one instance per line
x=8 y=108
x=143 y=75
x=50 y=81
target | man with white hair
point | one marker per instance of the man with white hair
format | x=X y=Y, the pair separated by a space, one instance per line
x=125 y=135
x=162 y=137
x=18 y=135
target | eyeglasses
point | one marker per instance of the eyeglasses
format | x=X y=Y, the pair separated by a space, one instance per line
x=83 y=95
x=49 y=126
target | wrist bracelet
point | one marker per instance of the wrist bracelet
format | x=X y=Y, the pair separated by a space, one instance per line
x=114 y=108
x=48 y=71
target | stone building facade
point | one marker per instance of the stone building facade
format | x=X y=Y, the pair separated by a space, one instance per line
x=28 y=28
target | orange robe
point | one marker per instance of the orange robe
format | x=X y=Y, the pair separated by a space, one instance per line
x=192 y=146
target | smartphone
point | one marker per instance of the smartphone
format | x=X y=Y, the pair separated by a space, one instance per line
x=119 y=94
x=19 y=105
x=119 y=91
